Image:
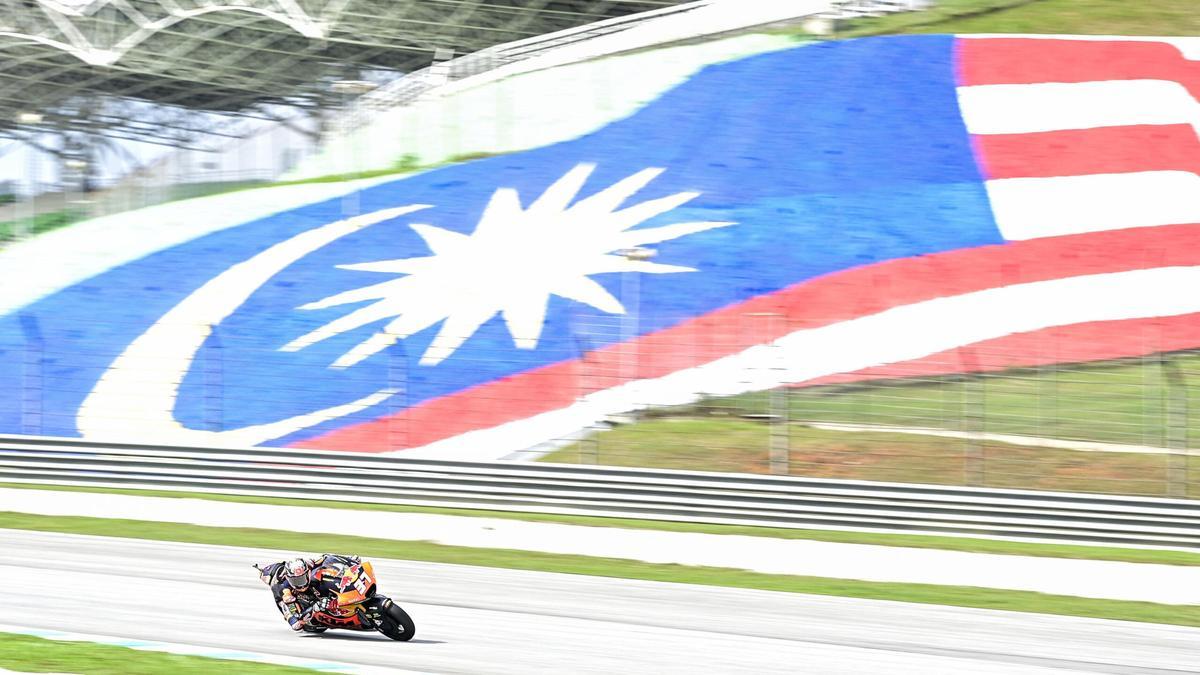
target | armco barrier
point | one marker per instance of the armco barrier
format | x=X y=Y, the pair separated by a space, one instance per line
x=640 y=493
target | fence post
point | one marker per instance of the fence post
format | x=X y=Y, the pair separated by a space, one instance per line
x=397 y=403
x=214 y=380
x=32 y=376
x=974 y=469
x=777 y=402
x=976 y=462
x=767 y=374
x=780 y=443
x=586 y=383
x=1177 y=424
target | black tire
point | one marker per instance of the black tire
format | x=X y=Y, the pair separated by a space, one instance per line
x=397 y=624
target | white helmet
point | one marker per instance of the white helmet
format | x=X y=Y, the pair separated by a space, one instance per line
x=296 y=574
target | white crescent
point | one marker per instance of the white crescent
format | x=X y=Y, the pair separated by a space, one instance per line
x=135 y=398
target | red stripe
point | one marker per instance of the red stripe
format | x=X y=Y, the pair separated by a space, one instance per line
x=1078 y=152
x=1031 y=61
x=822 y=301
x=1078 y=343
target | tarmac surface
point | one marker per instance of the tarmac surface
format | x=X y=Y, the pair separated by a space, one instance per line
x=1105 y=579
x=484 y=620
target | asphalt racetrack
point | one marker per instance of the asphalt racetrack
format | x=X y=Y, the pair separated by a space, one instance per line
x=483 y=620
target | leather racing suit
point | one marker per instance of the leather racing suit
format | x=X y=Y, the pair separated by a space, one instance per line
x=298 y=605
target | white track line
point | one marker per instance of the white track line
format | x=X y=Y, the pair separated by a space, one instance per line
x=1035 y=441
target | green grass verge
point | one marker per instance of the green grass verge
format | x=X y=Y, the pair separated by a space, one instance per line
x=739 y=445
x=406 y=165
x=1080 y=17
x=29 y=654
x=43 y=222
x=1124 y=401
x=962 y=596
x=946 y=543
x=51 y=221
x=1140 y=402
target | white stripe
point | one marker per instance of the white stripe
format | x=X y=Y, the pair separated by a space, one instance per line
x=1189 y=47
x=1029 y=108
x=1028 y=208
x=147 y=375
x=37 y=267
x=894 y=335
x=1011 y=439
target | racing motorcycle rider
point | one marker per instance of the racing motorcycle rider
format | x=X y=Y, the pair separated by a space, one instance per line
x=300 y=590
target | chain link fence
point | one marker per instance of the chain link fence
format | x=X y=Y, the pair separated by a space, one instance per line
x=959 y=418
x=1118 y=426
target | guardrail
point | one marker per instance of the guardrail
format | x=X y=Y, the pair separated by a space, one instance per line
x=638 y=493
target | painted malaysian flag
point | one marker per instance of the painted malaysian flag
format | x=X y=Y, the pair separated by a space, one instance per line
x=870 y=208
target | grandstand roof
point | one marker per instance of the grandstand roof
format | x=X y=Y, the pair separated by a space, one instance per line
x=92 y=65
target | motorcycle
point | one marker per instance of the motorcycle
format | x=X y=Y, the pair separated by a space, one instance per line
x=358 y=604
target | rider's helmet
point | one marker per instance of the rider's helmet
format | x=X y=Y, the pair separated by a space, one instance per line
x=296 y=574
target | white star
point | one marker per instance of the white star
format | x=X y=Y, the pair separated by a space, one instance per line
x=511 y=264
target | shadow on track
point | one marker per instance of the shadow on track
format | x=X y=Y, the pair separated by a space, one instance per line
x=365 y=637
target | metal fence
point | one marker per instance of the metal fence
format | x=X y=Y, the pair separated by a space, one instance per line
x=55 y=204
x=658 y=495
x=1022 y=416
x=1037 y=411
x=1115 y=426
